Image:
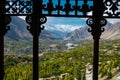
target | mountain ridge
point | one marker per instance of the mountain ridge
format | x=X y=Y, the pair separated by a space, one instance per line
x=18 y=30
x=112 y=32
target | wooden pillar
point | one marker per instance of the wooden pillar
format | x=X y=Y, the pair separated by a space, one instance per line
x=1 y=56
x=96 y=23
x=95 y=59
x=4 y=20
x=35 y=25
x=2 y=32
x=37 y=19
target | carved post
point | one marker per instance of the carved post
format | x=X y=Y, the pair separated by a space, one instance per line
x=1 y=56
x=96 y=30
x=4 y=20
x=1 y=53
x=2 y=23
x=36 y=20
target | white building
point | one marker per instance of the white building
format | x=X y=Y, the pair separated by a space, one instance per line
x=70 y=46
x=118 y=78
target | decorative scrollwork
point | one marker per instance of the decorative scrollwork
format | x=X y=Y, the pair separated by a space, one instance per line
x=102 y=29
x=89 y=30
x=49 y=7
x=96 y=30
x=68 y=7
x=90 y=23
x=103 y=22
x=29 y=21
x=7 y=20
x=112 y=8
x=43 y=19
x=5 y=26
x=85 y=8
x=32 y=28
x=18 y=6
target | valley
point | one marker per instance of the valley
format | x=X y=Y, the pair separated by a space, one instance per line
x=24 y=46
x=66 y=64
x=60 y=31
x=65 y=52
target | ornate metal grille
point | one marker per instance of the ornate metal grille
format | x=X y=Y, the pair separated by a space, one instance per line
x=112 y=8
x=18 y=7
x=37 y=10
x=70 y=8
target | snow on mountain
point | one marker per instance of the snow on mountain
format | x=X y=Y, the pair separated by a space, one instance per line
x=18 y=30
x=62 y=28
x=22 y=17
x=58 y=27
x=59 y=30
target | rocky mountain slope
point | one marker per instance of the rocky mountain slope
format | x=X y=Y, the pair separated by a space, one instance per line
x=18 y=30
x=61 y=30
x=78 y=34
x=112 y=31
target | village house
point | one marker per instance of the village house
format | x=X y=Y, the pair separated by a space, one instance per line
x=70 y=46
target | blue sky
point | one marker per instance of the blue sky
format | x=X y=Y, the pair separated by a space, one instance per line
x=76 y=22
x=66 y=21
x=70 y=21
x=63 y=2
x=63 y=20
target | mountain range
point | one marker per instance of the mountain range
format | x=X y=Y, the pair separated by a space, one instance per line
x=112 y=31
x=18 y=31
x=60 y=31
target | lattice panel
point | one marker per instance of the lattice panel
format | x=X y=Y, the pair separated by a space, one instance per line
x=112 y=8
x=70 y=8
x=75 y=8
x=18 y=6
x=67 y=7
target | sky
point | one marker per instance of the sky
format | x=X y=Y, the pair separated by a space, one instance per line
x=113 y=21
x=66 y=21
x=70 y=21
x=63 y=2
x=62 y=20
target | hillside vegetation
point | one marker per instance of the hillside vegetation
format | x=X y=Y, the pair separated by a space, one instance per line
x=71 y=63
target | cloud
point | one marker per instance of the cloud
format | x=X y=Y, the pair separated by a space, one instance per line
x=65 y=21
x=113 y=20
x=90 y=13
x=71 y=21
x=22 y=17
x=61 y=27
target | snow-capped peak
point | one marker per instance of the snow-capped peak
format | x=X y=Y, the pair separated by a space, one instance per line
x=61 y=27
